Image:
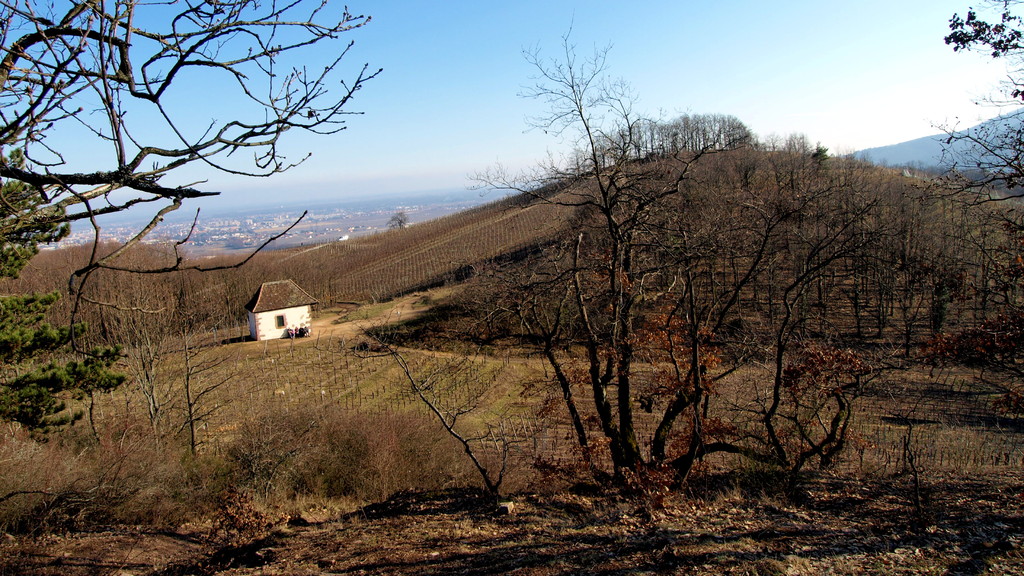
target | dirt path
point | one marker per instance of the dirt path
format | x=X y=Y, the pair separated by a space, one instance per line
x=351 y=322
x=334 y=323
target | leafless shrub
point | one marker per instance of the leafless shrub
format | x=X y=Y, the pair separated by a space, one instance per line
x=334 y=453
x=59 y=485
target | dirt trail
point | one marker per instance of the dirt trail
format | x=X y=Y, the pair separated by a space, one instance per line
x=332 y=323
x=401 y=310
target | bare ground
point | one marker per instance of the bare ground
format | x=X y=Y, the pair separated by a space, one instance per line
x=840 y=526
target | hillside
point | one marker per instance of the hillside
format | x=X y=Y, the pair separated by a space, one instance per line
x=681 y=348
x=384 y=265
x=772 y=315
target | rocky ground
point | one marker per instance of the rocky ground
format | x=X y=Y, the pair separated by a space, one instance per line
x=838 y=526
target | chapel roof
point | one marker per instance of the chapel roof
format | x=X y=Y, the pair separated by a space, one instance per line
x=278 y=295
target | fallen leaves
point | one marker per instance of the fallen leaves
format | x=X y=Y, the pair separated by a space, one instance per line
x=843 y=526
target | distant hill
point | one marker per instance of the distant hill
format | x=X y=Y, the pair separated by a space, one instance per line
x=926 y=152
x=935 y=151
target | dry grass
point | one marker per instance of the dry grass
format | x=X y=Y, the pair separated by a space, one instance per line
x=296 y=419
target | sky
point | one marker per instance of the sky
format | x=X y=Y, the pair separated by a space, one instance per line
x=849 y=75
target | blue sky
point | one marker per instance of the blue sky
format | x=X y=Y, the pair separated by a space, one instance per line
x=850 y=75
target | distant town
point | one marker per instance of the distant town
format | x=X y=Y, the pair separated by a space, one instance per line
x=245 y=228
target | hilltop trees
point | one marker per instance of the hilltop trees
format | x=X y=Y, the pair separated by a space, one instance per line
x=993 y=347
x=623 y=202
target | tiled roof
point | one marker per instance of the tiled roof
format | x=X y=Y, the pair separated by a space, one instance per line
x=277 y=296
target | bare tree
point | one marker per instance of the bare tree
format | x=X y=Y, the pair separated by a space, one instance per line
x=648 y=306
x=989 y=159
x=202 y=375
x=399 y=220
x=100 y=97
x=164 y=329
x=452 y=391
x=621 y=185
